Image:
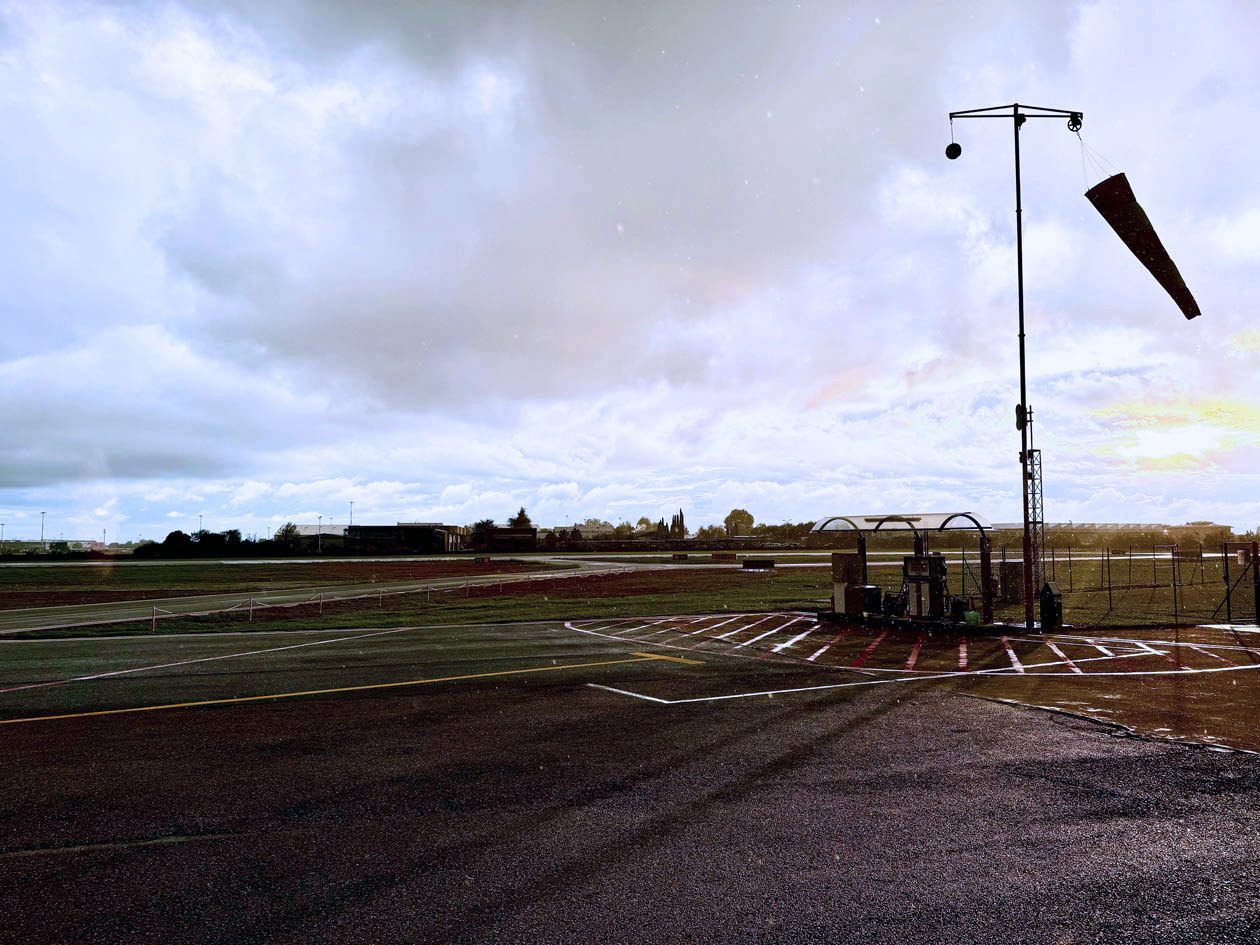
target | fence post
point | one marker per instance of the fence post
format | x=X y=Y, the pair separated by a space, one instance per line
x=1229 y=590
x=251 y=610
x=1109 y=580
x=1129 y=583
x=1069 y=567
x=1176 y=616
x=380 y=598
x=321 y=602
x=153 y=626
x=1255 y=581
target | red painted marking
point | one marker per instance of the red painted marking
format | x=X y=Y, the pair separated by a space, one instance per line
x=823 y=649
x=1019 y=667
x=914 y=653
x=868 y=651
x=1155 y=652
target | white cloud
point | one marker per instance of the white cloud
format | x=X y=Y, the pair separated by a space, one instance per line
x=262 y=265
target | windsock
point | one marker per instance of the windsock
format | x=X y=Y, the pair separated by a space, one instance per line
x=1114 y=199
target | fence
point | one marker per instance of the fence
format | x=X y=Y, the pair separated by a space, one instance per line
x=1160 y=584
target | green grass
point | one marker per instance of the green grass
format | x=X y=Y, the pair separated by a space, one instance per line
x=624 y=595
x=38 y=585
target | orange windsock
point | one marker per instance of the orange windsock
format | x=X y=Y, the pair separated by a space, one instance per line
x=1114 y=199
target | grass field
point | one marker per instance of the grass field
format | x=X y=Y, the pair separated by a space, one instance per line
x=47 y=585
x=635 y=593
x=675 y=589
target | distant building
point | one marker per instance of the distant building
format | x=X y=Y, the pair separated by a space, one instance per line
x=405 y=538
x=498 y=538
x=1199 y=532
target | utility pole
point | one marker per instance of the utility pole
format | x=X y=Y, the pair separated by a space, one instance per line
x=1029 y=458
x=42 y=544
x=319 y=535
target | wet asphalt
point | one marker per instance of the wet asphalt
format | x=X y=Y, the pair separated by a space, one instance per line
x=539 y=809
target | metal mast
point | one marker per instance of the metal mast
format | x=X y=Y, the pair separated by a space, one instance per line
x=1029 y=459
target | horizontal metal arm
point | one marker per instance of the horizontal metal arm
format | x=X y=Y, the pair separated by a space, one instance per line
x=1009 y=111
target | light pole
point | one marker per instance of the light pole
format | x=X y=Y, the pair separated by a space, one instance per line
x=42 y=545
x=351 y=511
x=1029 y=458
x=199 y=517
x=319 y=535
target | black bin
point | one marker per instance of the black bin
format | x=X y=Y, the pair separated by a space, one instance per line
x=1051 y=607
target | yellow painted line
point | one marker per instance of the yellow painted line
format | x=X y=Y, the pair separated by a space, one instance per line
x=638 y=658
x=672 y=659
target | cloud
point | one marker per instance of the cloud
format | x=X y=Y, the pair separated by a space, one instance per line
x=444 y=260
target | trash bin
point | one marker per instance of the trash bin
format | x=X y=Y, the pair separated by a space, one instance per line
x=1051 y=608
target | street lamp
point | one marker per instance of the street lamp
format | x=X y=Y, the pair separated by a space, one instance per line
x=351 y=511
x=319 y=535
x=41 y=532
x=1029 y=458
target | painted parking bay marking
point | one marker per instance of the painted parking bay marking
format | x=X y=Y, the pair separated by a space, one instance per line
x=635 y=658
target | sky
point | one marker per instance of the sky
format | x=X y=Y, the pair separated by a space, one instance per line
x=444 y=260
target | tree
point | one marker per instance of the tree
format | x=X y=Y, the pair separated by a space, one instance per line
x=623 y=530
x=177 y=544
x=711 y=532
x=477 y=537
x=644 y=523
x=738 y=522
x=520 y=520
x=287 y=534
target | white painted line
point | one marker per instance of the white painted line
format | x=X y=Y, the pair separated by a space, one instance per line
x=626 y=692
x=1063 y=656
x=202 y=659
x=962 y=655
x=1210 y=653
x=630 y=630
x=1019 y=668
x=760 y=637
x=796 y=639
x=901 y=679
x=1100 y=649
x=747 y=626
x=722 y=624
x=1162 y=654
